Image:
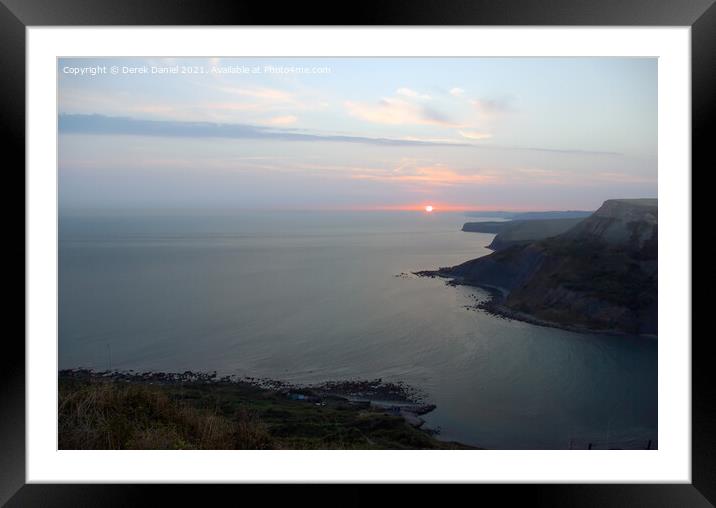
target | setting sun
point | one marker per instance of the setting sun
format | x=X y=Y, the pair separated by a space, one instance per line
x=429 y=208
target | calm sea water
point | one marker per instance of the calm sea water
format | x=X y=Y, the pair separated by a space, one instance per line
x=312 y=296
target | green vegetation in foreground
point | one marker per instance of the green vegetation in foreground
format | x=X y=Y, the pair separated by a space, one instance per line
x=113 y=414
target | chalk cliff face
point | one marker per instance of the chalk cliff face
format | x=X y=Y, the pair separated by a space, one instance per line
x=630 y=223
x=600 y=274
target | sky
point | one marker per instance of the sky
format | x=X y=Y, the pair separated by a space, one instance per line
x=356 y=133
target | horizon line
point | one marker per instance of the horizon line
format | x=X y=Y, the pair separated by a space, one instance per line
x=437 y=208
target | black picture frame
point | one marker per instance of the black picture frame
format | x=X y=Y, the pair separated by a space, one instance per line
x=16 y=15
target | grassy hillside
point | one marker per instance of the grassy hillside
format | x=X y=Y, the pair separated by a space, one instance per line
x=517 y=232
x=99 y=413
x=525 y=231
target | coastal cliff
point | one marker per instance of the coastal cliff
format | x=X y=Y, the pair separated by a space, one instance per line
x=601 y=274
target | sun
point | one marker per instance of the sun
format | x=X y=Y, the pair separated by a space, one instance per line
x=429 y=208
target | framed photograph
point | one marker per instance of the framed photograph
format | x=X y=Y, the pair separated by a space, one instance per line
x=397 y=248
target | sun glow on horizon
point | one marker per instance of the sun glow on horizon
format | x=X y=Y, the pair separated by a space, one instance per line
x=429 y=208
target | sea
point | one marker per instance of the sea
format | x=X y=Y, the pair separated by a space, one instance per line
x=306 y=297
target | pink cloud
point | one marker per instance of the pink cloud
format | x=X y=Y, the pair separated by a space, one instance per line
x=475 y=135
x=281 y=120
x=429 y=175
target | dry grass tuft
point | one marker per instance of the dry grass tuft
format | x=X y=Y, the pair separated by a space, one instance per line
x=107 y=415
